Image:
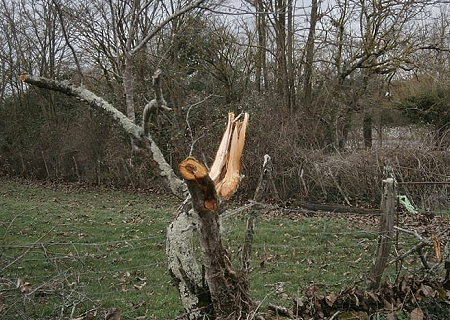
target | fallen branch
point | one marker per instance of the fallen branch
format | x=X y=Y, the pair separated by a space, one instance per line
x=417 y=247
x=280 y=311
x=423 y=242
x=28 y=249
x=414 y=233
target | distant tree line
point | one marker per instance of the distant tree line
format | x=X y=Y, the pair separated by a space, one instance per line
x=309 y=77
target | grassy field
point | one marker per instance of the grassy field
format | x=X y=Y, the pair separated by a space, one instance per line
x=66 y=252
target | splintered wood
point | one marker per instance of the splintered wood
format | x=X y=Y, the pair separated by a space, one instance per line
x=223 y=179
x=225 y=171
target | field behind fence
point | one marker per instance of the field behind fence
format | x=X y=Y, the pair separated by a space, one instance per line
x=69 y=253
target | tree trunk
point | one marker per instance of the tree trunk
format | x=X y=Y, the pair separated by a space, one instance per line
x=282 y=72
x=309 y=57
x=221 y=293
x=260 y=63
x=290 y=56
x=128 y=87
x=228 y=288
x=367 y=130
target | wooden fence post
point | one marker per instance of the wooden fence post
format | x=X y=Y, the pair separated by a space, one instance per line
x=265 y=182
x=388 y=204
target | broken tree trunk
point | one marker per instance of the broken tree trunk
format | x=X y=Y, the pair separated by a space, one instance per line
x=228 y=288
x=219 y=293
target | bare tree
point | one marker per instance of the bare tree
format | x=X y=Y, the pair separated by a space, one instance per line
x=368 y=41
x=261 y=59
x=33 y=43
x=309 y=56
x=226 y=289
x=121 y=31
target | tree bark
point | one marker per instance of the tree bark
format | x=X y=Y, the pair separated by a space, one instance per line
x=222 y=293
x=128 y=87
x=229 y=289
x=367 y=130
x=282 y=72
x=290 y=56
x=183 y=267
x=309 y=57
x=260 y=65
x=177 y=186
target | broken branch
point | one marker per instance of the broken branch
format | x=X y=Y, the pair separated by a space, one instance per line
x=200 y=185
x=225 y=171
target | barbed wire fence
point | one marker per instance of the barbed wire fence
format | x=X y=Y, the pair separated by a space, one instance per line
x=292 y=250
x=62 y=290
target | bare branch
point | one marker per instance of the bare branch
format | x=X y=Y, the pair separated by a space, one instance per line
x=151 y=108
x=158 y=28
x=177 y=186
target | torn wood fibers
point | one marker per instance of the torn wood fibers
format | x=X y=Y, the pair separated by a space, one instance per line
x=225 y=171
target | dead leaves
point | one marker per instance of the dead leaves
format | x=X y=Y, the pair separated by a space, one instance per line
x=140 y=286
x=113 y=314
x=392 y=299
x=134 y=279
x=417 y=314
x=24 y=286
x=437 y=247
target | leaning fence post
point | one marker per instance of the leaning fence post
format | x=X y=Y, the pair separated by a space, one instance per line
x=388 y=202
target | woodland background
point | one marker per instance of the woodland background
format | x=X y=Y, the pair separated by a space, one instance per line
x=337 y=91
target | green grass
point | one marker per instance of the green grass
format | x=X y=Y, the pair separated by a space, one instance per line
x=291 y=254
x=85 y=250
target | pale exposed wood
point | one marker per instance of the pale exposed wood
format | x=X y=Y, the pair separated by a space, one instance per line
x=191 y=169
x=222 y=153
x=200 y=185
x=229 y=183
